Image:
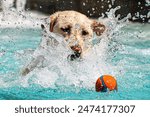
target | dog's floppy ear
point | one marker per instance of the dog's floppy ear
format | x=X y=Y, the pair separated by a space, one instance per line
x=98 y=28
x=53 y=20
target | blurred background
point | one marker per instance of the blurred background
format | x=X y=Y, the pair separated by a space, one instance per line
x=139 y=9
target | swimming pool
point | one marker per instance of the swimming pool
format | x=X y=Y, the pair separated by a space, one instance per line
x=128 y=59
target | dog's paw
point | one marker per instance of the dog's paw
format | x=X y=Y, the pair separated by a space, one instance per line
x=25 y=71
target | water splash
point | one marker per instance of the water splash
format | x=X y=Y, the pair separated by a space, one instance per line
x=82 y=73
x=20 y=5
x=57 y=71
x=18 y=17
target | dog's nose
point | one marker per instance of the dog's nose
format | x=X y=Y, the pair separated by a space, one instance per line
x=76 y=48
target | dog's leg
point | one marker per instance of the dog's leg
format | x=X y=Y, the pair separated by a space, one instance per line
x=33 y=64
x=38 y=61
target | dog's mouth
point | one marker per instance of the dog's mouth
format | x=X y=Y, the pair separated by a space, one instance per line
x=77 y=53
x=74 y=56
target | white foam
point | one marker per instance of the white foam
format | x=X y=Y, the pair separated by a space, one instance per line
x=59 y=71
x=14 y=19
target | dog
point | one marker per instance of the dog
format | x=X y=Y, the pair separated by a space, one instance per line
x=77 y=30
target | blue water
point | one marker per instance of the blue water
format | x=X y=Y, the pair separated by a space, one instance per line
x=128 y=53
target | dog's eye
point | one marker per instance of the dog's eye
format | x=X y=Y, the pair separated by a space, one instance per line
x=66 y=30
x=84 y=33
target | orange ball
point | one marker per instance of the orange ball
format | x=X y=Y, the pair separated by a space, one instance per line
x=106 y=82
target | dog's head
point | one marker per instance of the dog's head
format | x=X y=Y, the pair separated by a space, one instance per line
x=76 y=28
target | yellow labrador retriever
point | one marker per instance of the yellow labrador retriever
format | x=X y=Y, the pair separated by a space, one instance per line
x=77 y=30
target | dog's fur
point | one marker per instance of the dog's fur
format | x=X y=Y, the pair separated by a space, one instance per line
x=77 y=30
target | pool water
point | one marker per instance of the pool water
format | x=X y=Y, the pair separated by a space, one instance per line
x=126 y=56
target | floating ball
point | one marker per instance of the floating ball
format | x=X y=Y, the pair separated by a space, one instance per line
x=106 y=82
